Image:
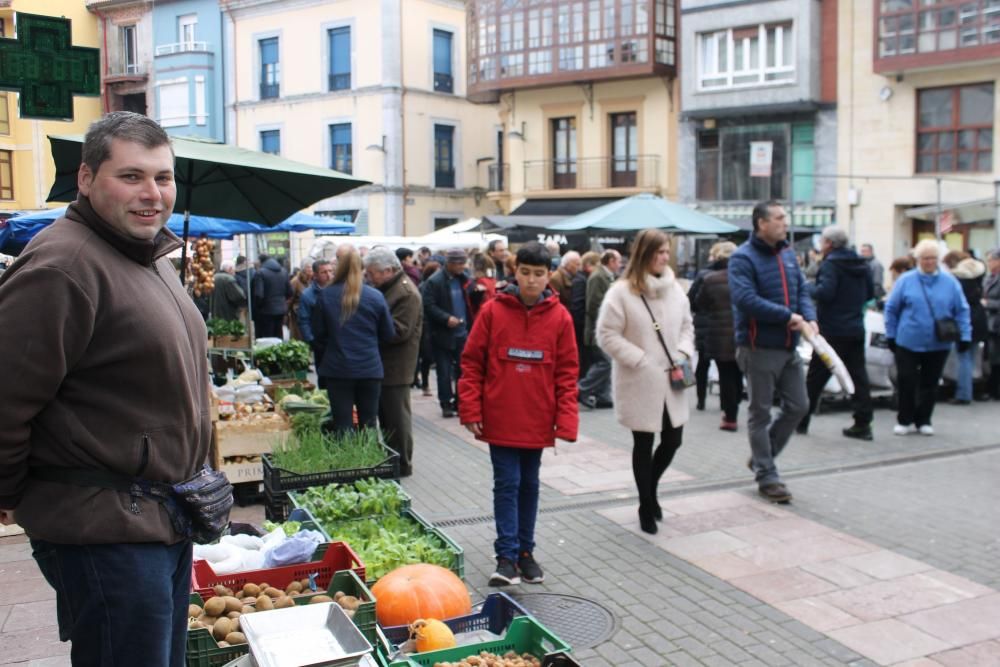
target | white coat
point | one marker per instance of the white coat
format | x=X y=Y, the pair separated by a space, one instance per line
x=639 y=365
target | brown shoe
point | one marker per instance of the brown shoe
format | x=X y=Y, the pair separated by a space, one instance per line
x=776 y=493
x=727 y=425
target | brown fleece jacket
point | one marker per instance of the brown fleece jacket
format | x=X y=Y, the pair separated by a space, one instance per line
x=104 y=363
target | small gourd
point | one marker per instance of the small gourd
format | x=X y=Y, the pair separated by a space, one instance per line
x=431 y=634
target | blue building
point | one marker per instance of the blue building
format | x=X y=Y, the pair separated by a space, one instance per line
x=187 y=81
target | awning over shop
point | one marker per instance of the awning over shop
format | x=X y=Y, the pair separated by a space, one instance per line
x=520 y=221
x=978 y=210
x=560 y=207
x=805 y=219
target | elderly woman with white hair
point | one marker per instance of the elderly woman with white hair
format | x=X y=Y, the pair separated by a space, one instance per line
x=925 y=315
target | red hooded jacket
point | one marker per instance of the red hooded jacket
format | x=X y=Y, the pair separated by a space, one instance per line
x=519 y=372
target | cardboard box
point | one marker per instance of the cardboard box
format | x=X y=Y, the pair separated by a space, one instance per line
x=248 y=438
x=238 y=473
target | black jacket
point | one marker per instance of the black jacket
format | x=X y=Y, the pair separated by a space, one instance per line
x=715 y=308
x=438 y=308
x=578 y=304
x=271 y=289
x=843 y=285
x=699 y=317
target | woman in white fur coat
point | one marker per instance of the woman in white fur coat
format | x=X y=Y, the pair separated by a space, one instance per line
x=644 y=400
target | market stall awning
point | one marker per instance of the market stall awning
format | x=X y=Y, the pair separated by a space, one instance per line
x=521 y=221
x=644 y=211
x=805 y=218
x=565 y=208
x=978 y=210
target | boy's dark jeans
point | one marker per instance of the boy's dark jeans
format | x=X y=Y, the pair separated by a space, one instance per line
x=515 y=498
x=120 y=604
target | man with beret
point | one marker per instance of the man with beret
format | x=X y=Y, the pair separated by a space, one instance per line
x=446 y=312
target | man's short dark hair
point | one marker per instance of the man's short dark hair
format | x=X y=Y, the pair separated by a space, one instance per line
x=262 y=257
x=124 y=125
x=424 y=249
x=762 y=211
x=319 y=264
x=608 y=256
x=533 y=253
x=403 y=253
x=492 y=245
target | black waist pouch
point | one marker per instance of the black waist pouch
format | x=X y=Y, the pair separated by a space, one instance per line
x=198 y=507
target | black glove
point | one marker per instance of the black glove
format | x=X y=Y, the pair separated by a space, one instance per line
x=964 y=345
x=891 y=342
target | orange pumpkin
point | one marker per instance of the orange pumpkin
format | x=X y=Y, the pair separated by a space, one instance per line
x=420 y=591
x=430 y=635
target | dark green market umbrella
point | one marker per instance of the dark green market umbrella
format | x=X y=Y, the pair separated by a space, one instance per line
x=222 y=181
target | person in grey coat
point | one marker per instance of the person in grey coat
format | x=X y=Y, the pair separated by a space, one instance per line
x=227 y=298
x=271 y=292
x=399 y=354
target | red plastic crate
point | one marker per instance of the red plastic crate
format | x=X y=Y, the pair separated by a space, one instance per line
x=337 y=556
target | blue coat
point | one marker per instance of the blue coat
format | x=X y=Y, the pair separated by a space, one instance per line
x=843 y=286
x=349 y=350
x=908 y=318
x=767 y=287
x=307 y=301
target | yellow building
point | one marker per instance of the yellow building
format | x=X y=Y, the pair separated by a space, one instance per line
x=588 y=100
x=374 y=89
x=26 y=167
x=918 y=109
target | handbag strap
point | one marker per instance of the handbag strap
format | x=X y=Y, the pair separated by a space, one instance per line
x=926 y=298
x=657 y=328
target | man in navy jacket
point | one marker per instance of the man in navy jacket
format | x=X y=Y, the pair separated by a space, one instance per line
x=843 y=285
x=771 y=306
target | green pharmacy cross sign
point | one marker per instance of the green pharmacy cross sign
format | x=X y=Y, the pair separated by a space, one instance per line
x=46 y=69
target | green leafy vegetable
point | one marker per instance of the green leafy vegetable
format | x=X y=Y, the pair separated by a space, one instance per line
x=365 y=497
x=388 y=542
x=290 y=527
x=220 y=327
x=289 y=357
x=309 y=450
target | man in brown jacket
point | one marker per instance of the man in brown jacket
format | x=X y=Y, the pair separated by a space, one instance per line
x=561 y=279
x=399 y=356
x=110 y=377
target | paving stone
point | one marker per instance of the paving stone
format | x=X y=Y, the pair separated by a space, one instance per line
x=28 y=615
x=888 y=641
x=961 y=623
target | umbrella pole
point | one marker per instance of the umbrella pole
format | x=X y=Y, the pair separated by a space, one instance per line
x=184 y=248
x=252 y=334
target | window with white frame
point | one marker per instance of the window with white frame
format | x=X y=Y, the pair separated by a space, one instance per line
x=185 y=30
x=174 y=103
x=749 y=56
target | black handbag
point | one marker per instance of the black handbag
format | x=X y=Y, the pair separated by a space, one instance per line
x=946 y=328
x=681 y=375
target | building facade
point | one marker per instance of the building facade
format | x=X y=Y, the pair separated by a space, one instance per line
x=125 y=32
x=187 y=84
x=310 y=81
x=759 y=102
x=26 y=168
x=918 y=113
x=588 y=100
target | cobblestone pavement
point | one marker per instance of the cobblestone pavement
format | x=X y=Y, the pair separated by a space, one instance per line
x=887 y=556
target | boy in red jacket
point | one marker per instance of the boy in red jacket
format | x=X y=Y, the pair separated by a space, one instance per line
x=518 y=392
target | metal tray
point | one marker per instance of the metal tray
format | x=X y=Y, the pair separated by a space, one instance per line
x=312 y=635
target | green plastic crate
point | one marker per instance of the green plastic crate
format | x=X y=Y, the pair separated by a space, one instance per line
x=204 y=651
x=458 y=554
x=525 y=635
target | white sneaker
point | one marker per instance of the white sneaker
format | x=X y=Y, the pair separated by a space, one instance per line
x=900 y=429
x=926 y=429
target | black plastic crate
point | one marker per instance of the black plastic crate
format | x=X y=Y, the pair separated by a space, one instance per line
x=278 y=481
x=276 y=509
x=494 y=614
x=248 y=493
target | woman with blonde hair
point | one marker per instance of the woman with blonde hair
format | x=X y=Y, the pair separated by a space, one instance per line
x=645 y=327
x=349 y=320
x=925 y=315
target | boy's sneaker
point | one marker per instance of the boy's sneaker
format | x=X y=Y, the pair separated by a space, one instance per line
x=505 y=574
x=904 y=429
x=926 y=429
x=531 y=573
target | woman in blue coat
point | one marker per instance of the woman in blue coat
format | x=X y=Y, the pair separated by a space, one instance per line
x=920 y=298
x=348 y=321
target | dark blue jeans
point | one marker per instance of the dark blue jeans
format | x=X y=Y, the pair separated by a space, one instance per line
x=120 y=604
x=515 y=498
x=346 y=394
x=448 y=366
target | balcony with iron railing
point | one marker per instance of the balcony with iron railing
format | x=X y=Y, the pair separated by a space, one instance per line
x=553 y=42
x=498 y=177
x=123 y=71
x=915 y=34
x=636 y=172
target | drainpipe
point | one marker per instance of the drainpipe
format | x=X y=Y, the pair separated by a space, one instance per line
x=107 y=67
x=402 y=115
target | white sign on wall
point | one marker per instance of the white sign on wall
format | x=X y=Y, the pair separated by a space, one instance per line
x=761 y=153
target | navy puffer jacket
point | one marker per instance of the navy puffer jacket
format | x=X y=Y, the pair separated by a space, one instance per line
x=767 y=287
x=843 y=285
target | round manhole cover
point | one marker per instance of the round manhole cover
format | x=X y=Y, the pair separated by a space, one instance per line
x=579 y=622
